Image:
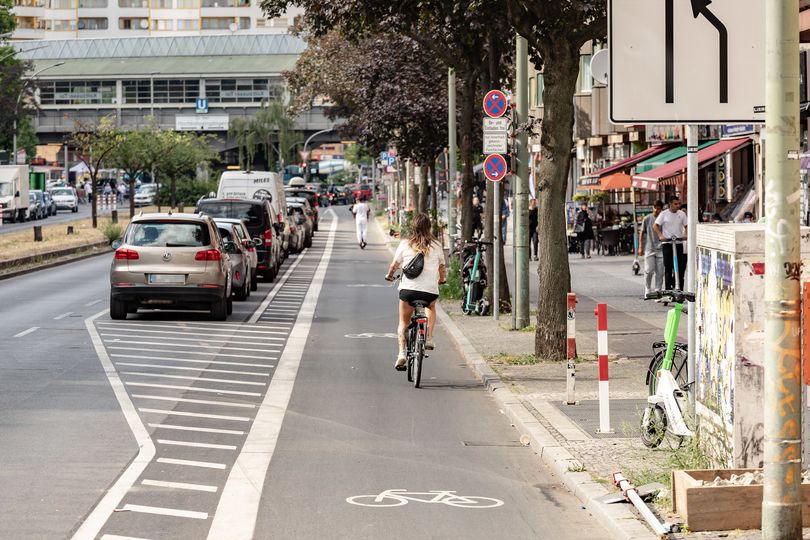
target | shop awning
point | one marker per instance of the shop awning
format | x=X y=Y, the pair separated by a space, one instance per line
x=616 y=181
x=629 y=162
x=670 y=155
x=650 y=179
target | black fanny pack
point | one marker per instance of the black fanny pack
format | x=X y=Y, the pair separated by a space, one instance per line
x=415 y=267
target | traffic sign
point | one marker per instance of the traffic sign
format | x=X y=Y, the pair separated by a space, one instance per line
x=698 y=62
x=383 y=156
x=202 y=105
x=390 y=160
x=496 y=142
x=496 y=124
x=495 y=104
x=495 y=167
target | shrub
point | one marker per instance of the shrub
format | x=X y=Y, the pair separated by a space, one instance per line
x=112 y=231
x=453 y=289
x=188 y=191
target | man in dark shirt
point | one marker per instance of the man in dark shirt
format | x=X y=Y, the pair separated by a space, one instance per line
x=533 y=226
x=478 y=222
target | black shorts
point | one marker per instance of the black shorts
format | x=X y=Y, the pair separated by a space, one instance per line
x=407 y=295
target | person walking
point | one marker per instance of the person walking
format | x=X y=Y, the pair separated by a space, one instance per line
x=670 y=225
x=361 y=213
x=649 y=247
x=477 y=213
x=584 y=229
x=533 y=227
x=88 y=189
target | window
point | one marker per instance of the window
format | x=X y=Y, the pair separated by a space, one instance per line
x=244 y=23
x=76 y=92
x=133 y=3
x=188 y=4
x=62 y=4
x=97 y=23
x=281 y=21
x=92 y=3
x=162 y=24
x=241 y=90
x=68 y=25
x=161 y=4
x=163 y=91
x=216 y=23
x=541 y=90
x=188 y=24
x=225 y=3
x=134 y=23
x=532 y=91
x=584 y=80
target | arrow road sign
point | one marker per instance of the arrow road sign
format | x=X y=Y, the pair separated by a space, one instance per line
x=495 y=104
x=495 y=167
x=664 y=68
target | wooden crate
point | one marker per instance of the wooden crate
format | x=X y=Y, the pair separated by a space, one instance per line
x=721 y=508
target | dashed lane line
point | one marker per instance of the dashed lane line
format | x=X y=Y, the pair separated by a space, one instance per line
x=169 y=442
x=198 y=340
x=230 y=332
x=168 y=412
x=196 y=401
x=197 y=429
x=187 y=378
x=194 y=389
x=186 y=368
x=63 y=315
x=93 y=303
x=119 y=537
x=200 y=353
x=208 y=334
x=178 y=485
x=164 y=511
x=126 y=341
x=192 y=360
x=191 y=463
x=26 y=332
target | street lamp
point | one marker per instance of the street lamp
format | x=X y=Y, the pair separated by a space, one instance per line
x=306 y=143
x=12 y=53
x=17 y=104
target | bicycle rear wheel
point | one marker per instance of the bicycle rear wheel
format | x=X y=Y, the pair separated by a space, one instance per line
x=679 y=369
x=418 y=357
x=409 y=354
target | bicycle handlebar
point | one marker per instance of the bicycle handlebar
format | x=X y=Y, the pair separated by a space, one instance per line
x=478 y=242
x=679 y=297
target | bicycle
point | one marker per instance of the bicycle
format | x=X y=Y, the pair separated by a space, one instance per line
x=415 y=340
x=474 y=279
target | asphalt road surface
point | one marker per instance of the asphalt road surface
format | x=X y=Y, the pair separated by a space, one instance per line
x=286 y=421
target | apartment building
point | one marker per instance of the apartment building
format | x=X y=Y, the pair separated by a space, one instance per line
x=66 y=19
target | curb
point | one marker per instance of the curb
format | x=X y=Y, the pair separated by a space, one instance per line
x=63 y=258
x=617 y=519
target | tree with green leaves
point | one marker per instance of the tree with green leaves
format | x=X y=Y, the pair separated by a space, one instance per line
x=16 y=92
x=135 y=156
x=180 y=156
x=239 y=131
x=556 y=31
x=275 y=130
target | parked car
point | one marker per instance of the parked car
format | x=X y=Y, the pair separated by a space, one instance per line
x=343 y=195
x=43 y=211
x=302 y=211
x=34 y=207
x=363 y=192
x=145 y=195
x=258 y=215
x=240 y=264
x=65 y=197
x=243 y=235
x=171 y=261
x=302 y=224
x=311 y=196
x=49 y=203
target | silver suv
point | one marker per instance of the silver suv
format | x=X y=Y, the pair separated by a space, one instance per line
x=171 y=261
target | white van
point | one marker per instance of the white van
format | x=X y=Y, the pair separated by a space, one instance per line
x=254 y=185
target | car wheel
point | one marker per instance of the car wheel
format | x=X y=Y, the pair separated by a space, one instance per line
x=219 y=310
x=229 y=305
x=243 y=292
x=75 y=209
x=254 y=280
x=308 y=243
x=118 y=309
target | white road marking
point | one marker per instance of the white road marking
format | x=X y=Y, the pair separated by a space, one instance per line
x=229 y=326
x=178 y=485
x=93 y=303
x=218 y=347
x=197 y=444
x=202 y=353
x=164 y=511
x=193 y=389
x=284 y=302
x=192 y=361
x=280 y=310
x=197 y=401
x=26 y=332
x=184 y=368
x=200 y=340
x=235 y=517
x=119 y=537
x=194 y=415
x=190 y=463
x=209 y=335
x=272 y=294
x=199 y=429
x=63 y=315
x=233 y=332
x=187 y=378
x=91 y=526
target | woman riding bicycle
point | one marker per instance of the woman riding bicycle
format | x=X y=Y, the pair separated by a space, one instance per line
x=424 y=287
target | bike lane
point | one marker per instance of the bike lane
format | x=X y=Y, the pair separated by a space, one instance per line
x=354 y=426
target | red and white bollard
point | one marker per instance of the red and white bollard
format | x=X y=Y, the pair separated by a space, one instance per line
x=571 y=350
x=602 y=351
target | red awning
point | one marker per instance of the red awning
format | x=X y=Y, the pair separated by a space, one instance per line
x=616 y=181
x=632 y=160
x=674 y=169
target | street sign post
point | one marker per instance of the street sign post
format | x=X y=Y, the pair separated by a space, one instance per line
x=698 y=62
x=496 y=135
x=495 y=104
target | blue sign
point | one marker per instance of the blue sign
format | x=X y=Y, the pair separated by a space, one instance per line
x=202 y=105
x=383 y=156
x=733 y=130
x=495 y=167
x=391 y=160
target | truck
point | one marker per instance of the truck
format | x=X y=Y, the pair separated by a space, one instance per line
x=14 y=192
x=254 y=185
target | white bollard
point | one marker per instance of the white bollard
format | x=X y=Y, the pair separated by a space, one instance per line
x=571 y=351
x=602 y=351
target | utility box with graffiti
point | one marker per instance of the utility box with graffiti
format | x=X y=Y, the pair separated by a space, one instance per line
x=730 y=335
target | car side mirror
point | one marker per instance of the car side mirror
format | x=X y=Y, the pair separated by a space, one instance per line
x=17 y=194
x=257 y=242
x=229 y=247
x=117 y=243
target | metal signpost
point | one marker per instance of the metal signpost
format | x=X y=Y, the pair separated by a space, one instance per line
x=495 y=169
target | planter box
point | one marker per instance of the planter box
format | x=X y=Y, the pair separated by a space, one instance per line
x=721 y=508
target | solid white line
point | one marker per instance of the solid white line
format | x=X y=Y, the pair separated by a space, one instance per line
x=187 y=378
x=179 y=485
x=198 y=401
x=26 y=332
x=119 y=537
x=200 y=429
x=272 y=294
x=194 y=389
x=218 y=347
x=209 y=336
x=238 y=507
x=190 y=463
x=197 y=444
x=200 y=340
x=184 y=368
x=234 y=332
x=164 y=511
x=91 y=526
x=202 y=353
x=191 y=361
x=63 y=315
x=194 y=415
x=93 y=303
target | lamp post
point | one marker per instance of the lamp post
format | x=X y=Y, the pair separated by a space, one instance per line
x=17 y=105
x=12 y=53
x=306 y=143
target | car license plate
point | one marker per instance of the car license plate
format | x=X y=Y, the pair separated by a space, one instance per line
x=167 y=278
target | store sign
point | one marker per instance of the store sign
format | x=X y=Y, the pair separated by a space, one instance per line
x=201 y=123
x=69 y=96
x=664 y=132
x=734 y=130
x=239 y=94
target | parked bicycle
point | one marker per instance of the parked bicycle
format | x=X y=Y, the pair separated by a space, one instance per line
x=474 y=278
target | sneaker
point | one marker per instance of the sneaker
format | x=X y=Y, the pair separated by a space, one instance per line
x=399 y=365
x=429 y=345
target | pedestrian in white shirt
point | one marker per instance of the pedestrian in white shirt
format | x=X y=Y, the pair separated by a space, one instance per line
x=670 y=226
x=361 y=213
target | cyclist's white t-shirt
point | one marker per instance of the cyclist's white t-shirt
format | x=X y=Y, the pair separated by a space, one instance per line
x=428 y=280
x=672 y=223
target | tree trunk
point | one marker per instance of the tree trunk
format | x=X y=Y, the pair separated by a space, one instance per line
x=434 y=201
x=468 y=103
x=131 y=196
x=94 y=200
x=424 y=172
x=554 y=277
x=173 y=201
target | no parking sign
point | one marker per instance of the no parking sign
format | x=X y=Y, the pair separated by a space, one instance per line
x=495 y=167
